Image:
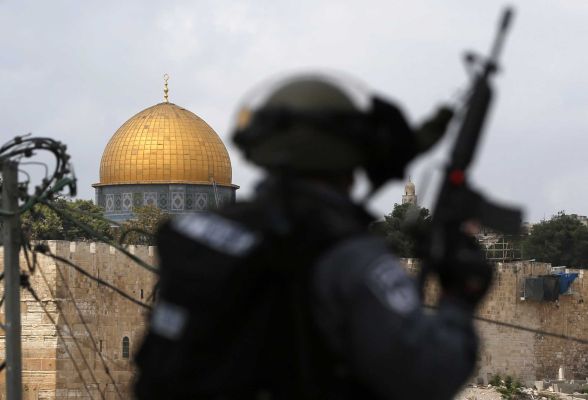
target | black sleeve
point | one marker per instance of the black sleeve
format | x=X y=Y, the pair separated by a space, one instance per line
x=369 y=310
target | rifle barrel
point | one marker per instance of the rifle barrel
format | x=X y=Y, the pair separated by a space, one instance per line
x=505 y=22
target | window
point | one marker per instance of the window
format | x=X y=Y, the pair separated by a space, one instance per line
x=125 y=347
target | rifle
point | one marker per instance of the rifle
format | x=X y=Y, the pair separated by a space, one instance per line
x=457 y=201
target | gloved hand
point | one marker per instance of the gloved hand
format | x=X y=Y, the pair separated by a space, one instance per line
x=433 y=128
x=465 y=275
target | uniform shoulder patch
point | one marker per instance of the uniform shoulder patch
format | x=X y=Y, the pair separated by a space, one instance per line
x=169 y=320
x=219 y=233
x=392 y=286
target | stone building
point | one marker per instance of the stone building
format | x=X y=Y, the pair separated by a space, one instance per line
x=168 y=157
x=98 y=326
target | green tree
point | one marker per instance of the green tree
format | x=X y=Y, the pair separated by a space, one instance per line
x=142 y=228
x=563 y=240
x=42 y=223
x=402 y=228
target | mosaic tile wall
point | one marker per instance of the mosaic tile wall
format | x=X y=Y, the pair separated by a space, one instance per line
x=119 y=201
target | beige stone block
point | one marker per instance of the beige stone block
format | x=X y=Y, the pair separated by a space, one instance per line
x=32 y=364
x=48 y=364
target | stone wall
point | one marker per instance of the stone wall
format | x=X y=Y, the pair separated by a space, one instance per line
x=48 y=370
x=49 y=373
x=527 y=355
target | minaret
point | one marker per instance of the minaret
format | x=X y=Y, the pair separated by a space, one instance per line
x=409 y=193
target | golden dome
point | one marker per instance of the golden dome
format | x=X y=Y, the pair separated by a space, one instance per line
x=165 y=144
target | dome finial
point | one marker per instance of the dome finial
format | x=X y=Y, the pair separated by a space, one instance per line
x=165 y=89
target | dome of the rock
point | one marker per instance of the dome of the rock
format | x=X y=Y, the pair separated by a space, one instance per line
x=165 y=143
x=167 y=157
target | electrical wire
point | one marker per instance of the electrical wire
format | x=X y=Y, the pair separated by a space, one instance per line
x=501 y=323
x=26 y=248
x=38 y=163
x=66 y=322
x=62 y=176
x=536 y=331
x=65 y=214
x=99 y=216
x=43 y=249
x=26 y=284
x=82 y=319
x=482 y=319
x=2 y=326
x=22 y=171
x=521 y=328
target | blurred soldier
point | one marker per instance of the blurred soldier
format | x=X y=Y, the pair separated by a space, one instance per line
x=288 y=296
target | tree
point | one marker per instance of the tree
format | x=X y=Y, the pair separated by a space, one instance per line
x=142 y=228
x=563 y=240
x=402 y=227
x=42 y=223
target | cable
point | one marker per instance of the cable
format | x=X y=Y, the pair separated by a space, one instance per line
x=63 y=175
x=26 y=284
x=38 y=163
x=22 y=171
x=521 y=328
x=99 y=216
x=536 y=331
x=66 y=322
x=100 y=237
x=487 y=320
x=42 y=248
x=26 y=247
x=2 y=326
x=93 y=340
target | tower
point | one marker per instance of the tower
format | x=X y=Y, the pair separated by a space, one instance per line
x=409 y=193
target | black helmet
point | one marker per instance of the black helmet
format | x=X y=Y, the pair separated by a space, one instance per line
x=321 y=124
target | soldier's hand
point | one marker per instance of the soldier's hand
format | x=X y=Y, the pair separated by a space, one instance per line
x=433 y=128
x=466 y=274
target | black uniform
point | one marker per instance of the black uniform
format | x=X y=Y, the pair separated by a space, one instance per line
x=289 y=297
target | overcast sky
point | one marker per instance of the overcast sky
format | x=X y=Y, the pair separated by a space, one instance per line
x=76 y=71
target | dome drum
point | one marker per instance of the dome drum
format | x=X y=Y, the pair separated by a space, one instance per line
x=120 y=201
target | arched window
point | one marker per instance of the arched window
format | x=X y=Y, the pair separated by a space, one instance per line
x=125 y=347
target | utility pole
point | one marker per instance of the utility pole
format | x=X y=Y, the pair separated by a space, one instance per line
x=11 y=231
